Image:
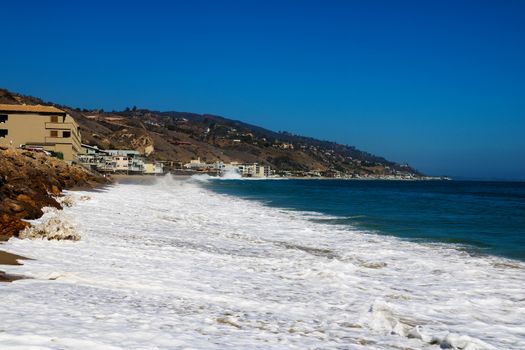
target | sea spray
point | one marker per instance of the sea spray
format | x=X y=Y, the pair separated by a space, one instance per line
x=53 y=225
x=231 y=174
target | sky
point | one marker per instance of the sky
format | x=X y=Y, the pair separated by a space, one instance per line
x=437 y=84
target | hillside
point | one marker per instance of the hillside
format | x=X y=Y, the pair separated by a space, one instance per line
x=179 y=137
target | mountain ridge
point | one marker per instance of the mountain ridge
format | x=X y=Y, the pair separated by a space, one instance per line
x=178 y=137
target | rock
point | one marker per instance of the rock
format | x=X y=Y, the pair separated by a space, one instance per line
x=25 y=198
x=55 y=190
x=30 y=181
x=10 y=226
x=13 y=206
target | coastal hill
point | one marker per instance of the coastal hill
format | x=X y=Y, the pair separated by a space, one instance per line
x=178 y=137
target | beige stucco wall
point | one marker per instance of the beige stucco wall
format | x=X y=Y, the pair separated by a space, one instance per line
x=35 y=130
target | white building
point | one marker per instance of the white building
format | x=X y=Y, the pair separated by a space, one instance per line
x=93 y=158
x=196 y=164
x=128 y=161
x=249 y=170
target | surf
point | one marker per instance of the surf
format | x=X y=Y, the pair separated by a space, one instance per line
x=175 y=264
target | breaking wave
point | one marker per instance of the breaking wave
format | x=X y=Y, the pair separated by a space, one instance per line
x=175 y=265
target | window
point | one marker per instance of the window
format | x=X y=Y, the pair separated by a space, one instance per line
x=3 y=118
x=66 y=134
x=54 y=133
x=54 y=119
x=3 y=133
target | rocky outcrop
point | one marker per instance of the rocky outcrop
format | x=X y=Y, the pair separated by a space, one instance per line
x=10 y=225
x=30 y=181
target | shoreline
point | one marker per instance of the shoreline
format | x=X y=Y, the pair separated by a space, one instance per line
x=10 y=259
x=22 y=200
x=351 y=179
x=29 y=182
x=98 y=276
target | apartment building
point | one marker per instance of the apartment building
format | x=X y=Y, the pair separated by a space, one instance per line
x=249 y=169
x=45 y=127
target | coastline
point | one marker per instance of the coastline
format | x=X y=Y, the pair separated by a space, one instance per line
x=260 y=266
x=22 y=200
x=10 y=259
x=356 y=179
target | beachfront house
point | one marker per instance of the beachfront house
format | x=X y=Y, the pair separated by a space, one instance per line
x=196 y=164
x=40 y=127
x=127 y=161
x=94 y=158
x=156 y=168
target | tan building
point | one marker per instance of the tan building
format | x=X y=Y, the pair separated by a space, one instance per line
x=39 y=126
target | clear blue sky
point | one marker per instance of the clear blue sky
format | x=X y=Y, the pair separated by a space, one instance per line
x=437 y=84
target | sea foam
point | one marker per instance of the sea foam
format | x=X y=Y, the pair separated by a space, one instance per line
x=174 y=265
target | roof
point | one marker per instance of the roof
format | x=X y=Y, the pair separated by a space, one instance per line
x=31 y=109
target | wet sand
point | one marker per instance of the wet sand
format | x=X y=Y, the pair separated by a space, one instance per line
x=10 y=259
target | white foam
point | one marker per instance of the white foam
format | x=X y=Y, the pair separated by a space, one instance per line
x=231 y=174
x=174 y=266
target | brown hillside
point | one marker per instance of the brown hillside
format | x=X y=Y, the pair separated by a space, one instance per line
x=180 y=137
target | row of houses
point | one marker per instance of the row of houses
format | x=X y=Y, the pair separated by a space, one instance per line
x=52 y=130
x=117 y=161
x=220 y=168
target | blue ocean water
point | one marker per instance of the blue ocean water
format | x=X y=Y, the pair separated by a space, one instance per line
x=481 y=217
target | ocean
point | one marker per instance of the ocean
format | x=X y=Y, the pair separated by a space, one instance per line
x=481 y=217
x=276 y=264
